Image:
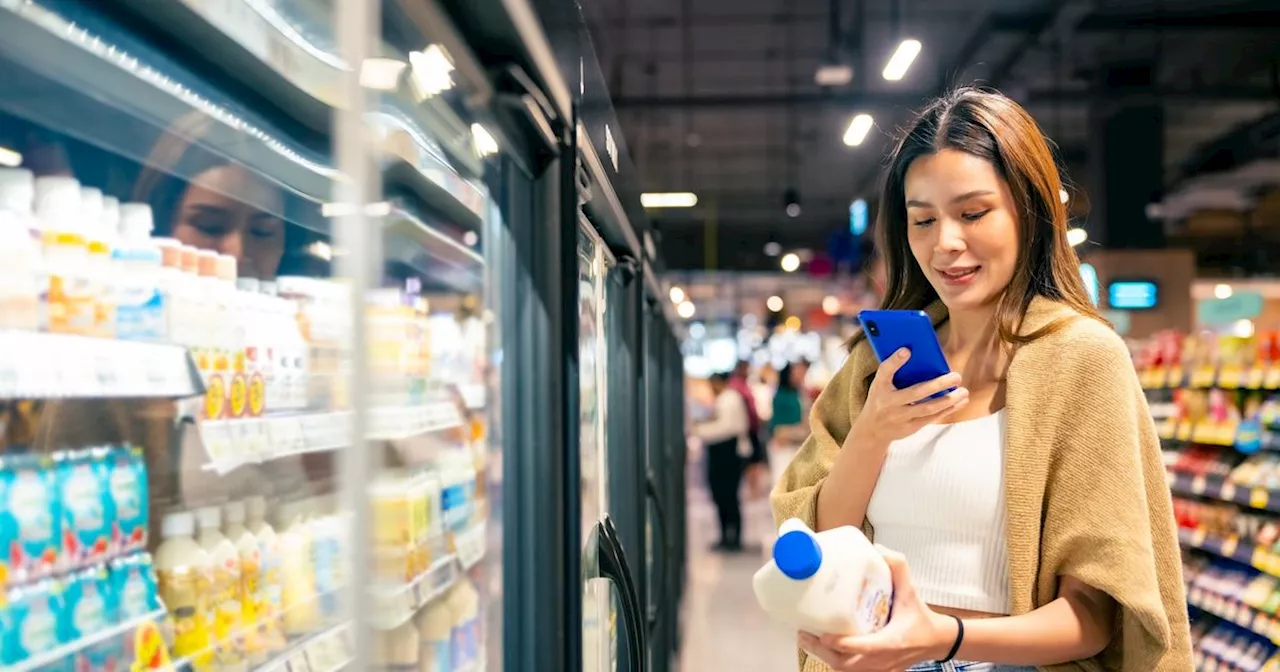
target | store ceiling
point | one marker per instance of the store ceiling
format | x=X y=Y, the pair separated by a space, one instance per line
x=718 y=96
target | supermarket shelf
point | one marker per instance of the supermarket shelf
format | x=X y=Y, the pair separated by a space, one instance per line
x=1258 y=557
x=65 y=651
x=235 y=443
x=1236 y=612
x=394 y=607
x=1221 y=489
x=326 y=651
x=404 y=422
x=36 y=365
x=470 y=546
x=1205 y=377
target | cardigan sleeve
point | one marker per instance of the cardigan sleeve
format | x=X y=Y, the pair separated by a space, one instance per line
x=796 y=494
x=1108 y=517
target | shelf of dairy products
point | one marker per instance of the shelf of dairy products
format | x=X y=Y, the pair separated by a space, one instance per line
x=327 y=651
x=36 y=365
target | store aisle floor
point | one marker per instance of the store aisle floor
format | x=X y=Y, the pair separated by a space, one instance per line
x=724 y=628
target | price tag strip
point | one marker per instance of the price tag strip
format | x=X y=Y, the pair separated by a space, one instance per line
x=1215 y=487
x=470 y=546
x=395 y=606
x=236 y=443
x=35 y=365
x=404 y=422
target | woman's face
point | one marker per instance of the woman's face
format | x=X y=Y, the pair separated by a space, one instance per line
x=962 y=227
x=210 y=220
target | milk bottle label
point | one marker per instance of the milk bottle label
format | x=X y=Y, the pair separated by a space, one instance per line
x=874 y=601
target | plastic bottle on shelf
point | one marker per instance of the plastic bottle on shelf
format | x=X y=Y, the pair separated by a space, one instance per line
x=252 y=595
x=297 y=571
x=100 y=235
x=268 y=605
x=22 y=276
x=183 y=573
x=138 y=265
x=226 y=591
x=249 y=315
x=830 y=582
x=398 y=649
x=435 y=634
x=464 y=605
x=326 y=552
x=70 y=297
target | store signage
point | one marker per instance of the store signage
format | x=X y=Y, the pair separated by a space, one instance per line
x=858 y=217
x=1090 y=278
x=1238 y=306
x=1133 y=295
x=1119 y=319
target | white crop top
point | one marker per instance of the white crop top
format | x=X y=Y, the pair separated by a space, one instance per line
x=940 y=502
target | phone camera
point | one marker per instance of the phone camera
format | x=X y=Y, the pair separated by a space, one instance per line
x=872 y=328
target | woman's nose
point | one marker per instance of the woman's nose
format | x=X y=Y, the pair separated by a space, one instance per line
x=232 y=244
x=950 y=236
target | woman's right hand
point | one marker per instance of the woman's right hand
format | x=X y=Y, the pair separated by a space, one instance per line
x=890 y=414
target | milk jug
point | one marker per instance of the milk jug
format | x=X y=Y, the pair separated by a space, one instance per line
x=832 y=582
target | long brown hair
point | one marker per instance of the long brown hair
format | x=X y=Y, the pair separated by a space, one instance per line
x=991 y=126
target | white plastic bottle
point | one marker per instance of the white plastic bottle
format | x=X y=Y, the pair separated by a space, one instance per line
x=831 y=582
x=269 y=625
x=138 y=265
x=22 y=281
x=183 y=569
x=252 y=596
x=60 y=208
x=226 y=591
x=99 y=236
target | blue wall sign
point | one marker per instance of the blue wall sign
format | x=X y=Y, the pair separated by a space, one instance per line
x=1133 y=295
x=858 y=217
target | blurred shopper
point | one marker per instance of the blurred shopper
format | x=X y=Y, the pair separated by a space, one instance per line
x=756 y=468
x=788 y=427
x=726 y=447
x=1030 y=503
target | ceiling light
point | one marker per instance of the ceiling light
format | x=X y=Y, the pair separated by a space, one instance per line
x=902 y=58
x=772 y=248
x=1076 y=236
x=431 y=72
x=470 y=239
x=791 y=202
x=790 y=262
x=677 y=295
x=686 y=310
x=858 y=130
x=697 y=330
x=833 y=74
x=1063 y=195
x=674 y=199
x=793 y=323
x=1243 y=328
x=10 y=158
x=485 y=144
x=1223 y=291
x=793 y=209
x=774 y=304
x=831 y=305
x=381 y=74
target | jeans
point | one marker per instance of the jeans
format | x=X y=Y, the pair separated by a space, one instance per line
x=961 y=666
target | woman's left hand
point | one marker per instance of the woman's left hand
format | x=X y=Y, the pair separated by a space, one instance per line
x=915 y=633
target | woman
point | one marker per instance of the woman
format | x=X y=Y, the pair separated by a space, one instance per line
x=724 y=437
x=1030 y=502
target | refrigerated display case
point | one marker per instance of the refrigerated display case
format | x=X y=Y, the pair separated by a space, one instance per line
x=309 y=344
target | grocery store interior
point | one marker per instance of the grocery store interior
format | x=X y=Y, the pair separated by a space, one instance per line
x=389 y=334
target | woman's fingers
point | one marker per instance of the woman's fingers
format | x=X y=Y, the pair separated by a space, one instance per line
x=928 y=388
x=890 y=366
x=935 y=408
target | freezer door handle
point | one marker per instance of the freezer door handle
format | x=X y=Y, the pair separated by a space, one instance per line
x=664 y=548
x=613 y=566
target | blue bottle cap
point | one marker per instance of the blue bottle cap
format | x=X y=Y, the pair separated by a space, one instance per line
x=797 y=554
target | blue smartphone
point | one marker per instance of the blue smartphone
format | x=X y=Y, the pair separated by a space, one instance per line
x=890 y=330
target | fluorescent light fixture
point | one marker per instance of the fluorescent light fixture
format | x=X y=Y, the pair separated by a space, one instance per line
x=381 y=74
x=10 y=158
x=858 y=130
x=485 y=144
x=790 y=262
x=1063 y=195
x=833 y=74
x=830 y=305
x=470 y=239
x=775 y=304
x=431 y=73
x=772 y=249
x=1223 y=291
x=1076 y=236
x=673 y=199
x=793 y=210
x=677 y=295
x=901 y=60
x=686 y=309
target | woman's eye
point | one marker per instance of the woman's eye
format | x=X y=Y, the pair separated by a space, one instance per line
x=975 y=216
x=262 y=234
x=924 y=222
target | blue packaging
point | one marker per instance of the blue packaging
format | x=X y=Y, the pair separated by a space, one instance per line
x=31 y=623
x=30 y=518
x=89 y=608
x=83 y=488
x=134 y=582
x=127 y=490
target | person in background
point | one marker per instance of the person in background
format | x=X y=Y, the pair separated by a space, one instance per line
x=757 y=462
x=787 y=427
x=726 y=446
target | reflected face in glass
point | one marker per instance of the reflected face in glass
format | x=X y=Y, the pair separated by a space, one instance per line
x=209 y=219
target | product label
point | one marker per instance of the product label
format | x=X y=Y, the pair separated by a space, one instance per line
x=875 y=600
x=326 y=552
x=436 y=656
x=215 y=397
x=34 y=512
x=257 y=394
x=225 y=597
x=31 y=621
x=84 y=502
x=128 y=487
x=238 y=395
x=269 y=600
x=184 y=593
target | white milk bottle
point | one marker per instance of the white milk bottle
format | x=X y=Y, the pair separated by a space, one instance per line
x=832 y=582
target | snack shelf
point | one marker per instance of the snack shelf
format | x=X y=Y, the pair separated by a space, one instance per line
x=1236 y=612
x=66 y=651
x=1222 y=489
x=1265 y=377
x=1231 y=548
x=395 y=606
x=37 y=365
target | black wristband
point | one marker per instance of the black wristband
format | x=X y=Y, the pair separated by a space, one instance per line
x=955 y=648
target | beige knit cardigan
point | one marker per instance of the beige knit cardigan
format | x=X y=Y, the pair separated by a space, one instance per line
x=1085 y=489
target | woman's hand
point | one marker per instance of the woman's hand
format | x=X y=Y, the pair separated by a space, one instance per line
x=890 y=414
x=915 y=633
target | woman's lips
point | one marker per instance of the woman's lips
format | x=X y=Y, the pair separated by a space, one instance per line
x=959 y=275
